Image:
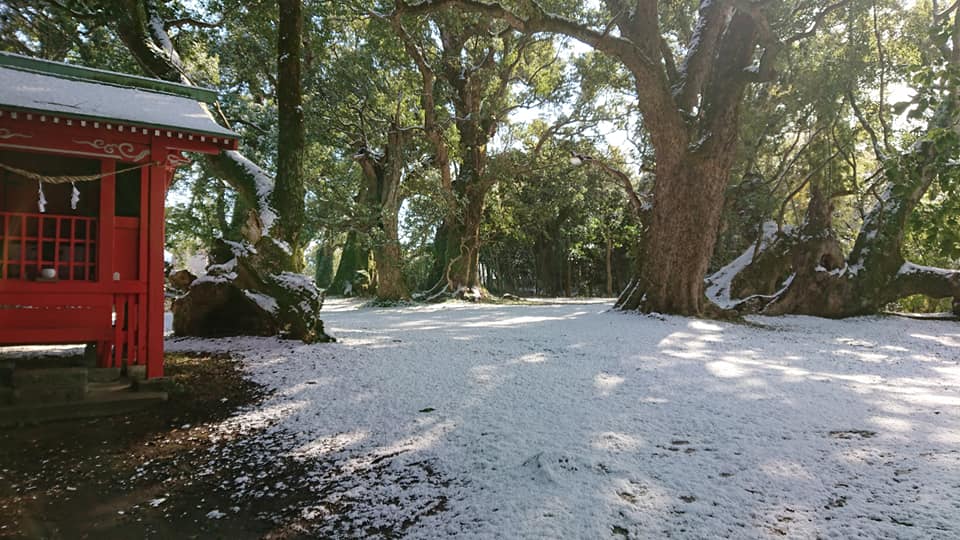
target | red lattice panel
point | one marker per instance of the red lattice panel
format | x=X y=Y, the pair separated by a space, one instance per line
x=32 y=242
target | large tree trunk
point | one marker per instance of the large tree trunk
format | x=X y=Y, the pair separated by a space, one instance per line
x=288 y=191
x=324 y=266
x=389 y=259
x=688 y=200
x=383 y=174
x=875 y=273
x=693 y=166
x=549 y=266
x=457 y=242
x=464 y=275
x=353 y=272
x=682 y=231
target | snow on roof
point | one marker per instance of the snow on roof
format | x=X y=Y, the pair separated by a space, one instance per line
x=33 y=91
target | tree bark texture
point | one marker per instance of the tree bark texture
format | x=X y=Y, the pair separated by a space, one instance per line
x=288 y=192
x=383 y=174
x=353 y=272
x=459 y=237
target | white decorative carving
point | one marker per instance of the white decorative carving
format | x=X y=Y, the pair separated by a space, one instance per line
x=9 y=134
x=124 y=150
x=176 y=159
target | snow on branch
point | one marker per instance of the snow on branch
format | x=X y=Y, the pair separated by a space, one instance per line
x=929 y=281
x=263 y=184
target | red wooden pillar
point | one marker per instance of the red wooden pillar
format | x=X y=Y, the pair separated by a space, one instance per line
x=142 y=266
x=154 y=247
x=105 y=244
x=105 y=241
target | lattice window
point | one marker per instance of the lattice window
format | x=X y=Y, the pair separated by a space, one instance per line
x=30 y=243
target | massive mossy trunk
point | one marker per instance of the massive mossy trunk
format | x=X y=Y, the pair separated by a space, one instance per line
x=383 y=173
x=458 y=244
x=324 y=264
x=388 y=256
x=247 y=292
x=875 y=272
x=353 y=275
x=680 y=229
x=825 y=283
x=693 y=163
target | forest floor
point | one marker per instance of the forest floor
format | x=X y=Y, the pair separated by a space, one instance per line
x=556 y=420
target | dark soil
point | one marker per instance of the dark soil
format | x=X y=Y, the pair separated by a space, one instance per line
x=166 y=472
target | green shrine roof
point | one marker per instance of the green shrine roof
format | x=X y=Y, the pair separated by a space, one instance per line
x=30 y=84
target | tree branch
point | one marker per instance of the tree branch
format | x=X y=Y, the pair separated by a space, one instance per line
x=806 y=180
x=190 y=21
x=926 y=280
x=874 y=139
x=673 y=75
x=713 y=16
x=635 y=202
x=540 y=20
x=431 y=128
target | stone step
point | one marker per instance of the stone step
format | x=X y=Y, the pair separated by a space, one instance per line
x=6 y=373
x=99 y=404
x=137 y=372
x=49 y=377
x=98 y=375
x=119 y=385
x=48 y=394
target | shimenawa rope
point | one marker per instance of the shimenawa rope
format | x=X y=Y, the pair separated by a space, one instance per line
x=67 y=179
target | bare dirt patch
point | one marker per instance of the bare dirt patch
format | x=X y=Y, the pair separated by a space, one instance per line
x=161 y=473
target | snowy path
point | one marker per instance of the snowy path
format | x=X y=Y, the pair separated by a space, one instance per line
x=567 y=421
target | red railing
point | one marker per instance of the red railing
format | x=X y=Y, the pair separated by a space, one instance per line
x=111 y=320
x=128 y=343
x=30 y=243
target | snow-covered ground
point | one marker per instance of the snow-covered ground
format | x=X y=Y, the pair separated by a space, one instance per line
x=569 y=421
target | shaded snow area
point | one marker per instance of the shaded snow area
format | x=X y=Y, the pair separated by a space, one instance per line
x=570 y=421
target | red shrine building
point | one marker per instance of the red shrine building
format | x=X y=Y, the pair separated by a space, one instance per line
x=86 y=158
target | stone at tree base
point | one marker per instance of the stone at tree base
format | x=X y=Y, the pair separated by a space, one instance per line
x=220 y=308
x=247 y=293
x=181 y=279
